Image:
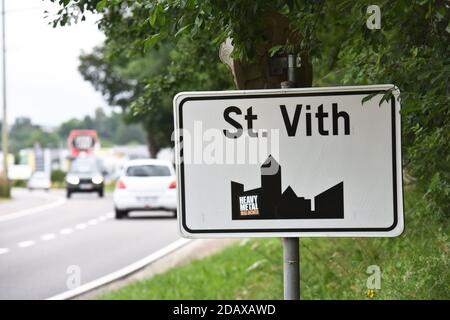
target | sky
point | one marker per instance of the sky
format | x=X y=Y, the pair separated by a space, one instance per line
x=43 y=82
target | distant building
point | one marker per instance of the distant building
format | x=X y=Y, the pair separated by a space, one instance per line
x=330 y=203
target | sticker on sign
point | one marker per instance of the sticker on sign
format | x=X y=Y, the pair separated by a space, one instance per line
x=289 y=162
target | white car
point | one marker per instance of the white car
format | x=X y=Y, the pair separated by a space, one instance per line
x=39 y=180
x=145 y=184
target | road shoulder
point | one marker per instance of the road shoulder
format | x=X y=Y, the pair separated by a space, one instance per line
x=195 y=249
x=24 y=202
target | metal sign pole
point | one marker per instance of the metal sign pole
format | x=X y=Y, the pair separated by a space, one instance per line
x=291 y=246
x=5 y=118
x=291 y=268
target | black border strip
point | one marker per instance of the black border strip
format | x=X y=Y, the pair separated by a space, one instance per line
x=284 y=95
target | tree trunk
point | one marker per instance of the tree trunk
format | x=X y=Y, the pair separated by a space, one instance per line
x=152 y=145
x=259 y=74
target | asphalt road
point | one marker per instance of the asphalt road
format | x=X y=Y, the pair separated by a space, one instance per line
x=53 y=244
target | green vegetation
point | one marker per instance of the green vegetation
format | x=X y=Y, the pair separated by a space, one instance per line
x=410 y=50
x=18 y=183
x=110 y=186
x=5 y=190
x=144 y=84
x=57 y=178
x=111 y=129
x=414 y=266
x=24 y=134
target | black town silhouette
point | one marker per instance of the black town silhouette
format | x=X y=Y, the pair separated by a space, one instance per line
x=268 y=202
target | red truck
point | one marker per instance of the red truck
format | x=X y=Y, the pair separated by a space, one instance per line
x=82 y=142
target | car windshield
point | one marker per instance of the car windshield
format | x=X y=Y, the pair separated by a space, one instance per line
x=148 y=171
x=84 y=167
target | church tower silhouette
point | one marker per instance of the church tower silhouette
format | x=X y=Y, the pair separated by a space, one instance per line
x=270 y=186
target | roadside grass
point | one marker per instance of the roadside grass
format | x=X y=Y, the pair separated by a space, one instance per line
x=413 y=266
x=5 y=188
x=58 y=185
x=110 y=186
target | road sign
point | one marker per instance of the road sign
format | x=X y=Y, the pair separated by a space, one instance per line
x=289 y=162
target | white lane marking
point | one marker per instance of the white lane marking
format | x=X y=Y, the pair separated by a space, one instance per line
x=66 y=231
x=81 y=226
x=92 y=222
x=48 y=236
x=122 y=272
x=27 y=212
x=25 y=244
x=4 y=250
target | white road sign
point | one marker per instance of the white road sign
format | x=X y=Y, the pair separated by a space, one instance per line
x=289 y=162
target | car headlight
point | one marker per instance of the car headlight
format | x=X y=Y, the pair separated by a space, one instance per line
x=73 y=179
x=97 y=179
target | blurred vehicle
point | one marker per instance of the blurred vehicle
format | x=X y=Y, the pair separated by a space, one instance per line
x=82 y=142
x=39 y=180
x=146 y=184
x=85 y=175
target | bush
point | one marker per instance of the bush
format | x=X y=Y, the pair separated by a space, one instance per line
x=18 y=183
x=57 y=176
x=5 y=190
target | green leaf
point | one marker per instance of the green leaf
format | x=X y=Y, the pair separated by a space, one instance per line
x=275 y=49
x=101 y=5
x=369 y=97
x=181 y=30
x=154 y=16
x=386 y=97
x=152 y=40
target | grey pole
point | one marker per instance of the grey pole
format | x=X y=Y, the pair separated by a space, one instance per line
x=291 y=267
x=291 y=246
x=4 y=119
